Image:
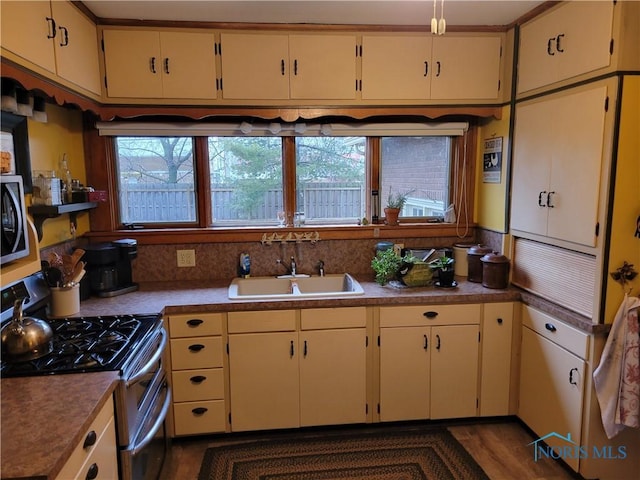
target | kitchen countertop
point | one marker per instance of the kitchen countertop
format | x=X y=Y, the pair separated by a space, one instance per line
x=211 y=296
x=44 y=418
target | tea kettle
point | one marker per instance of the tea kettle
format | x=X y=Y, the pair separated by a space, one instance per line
x=25 y=338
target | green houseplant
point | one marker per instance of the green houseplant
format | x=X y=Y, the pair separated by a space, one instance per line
x=444 y=266
x=386 y=264
x=395 y=204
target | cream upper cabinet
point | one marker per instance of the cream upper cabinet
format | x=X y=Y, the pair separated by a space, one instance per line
x=421 y=67
x=466 y=68
x=159 y=64
x=55 y=37
x=557 y=161
x=281 y=67
x=396 y=67
x=573 y=39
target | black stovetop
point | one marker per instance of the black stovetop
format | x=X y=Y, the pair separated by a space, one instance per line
x=84 y=344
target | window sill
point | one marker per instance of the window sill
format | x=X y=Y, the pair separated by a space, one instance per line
x=167 y=236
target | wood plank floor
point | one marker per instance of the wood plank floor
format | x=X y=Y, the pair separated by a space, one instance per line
x=500 y=448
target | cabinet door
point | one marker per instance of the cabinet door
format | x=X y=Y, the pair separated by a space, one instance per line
x=531 y=167
x=26 y=28
x=188 y=65
x=454 y=371
x=396 y=67
x=465 y=68
x=333 y=374
x=578 y=128
x=404 y=373
x=323 y=67
x=133 y=63
x=264 y=381
x=497 y=327
x=76 y=47
x=551 y=391
x=255 y=66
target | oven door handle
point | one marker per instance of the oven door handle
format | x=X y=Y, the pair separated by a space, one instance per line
x=156 y=356
x=156 y=425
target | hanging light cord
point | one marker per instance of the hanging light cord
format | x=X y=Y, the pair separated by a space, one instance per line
x=461 y=189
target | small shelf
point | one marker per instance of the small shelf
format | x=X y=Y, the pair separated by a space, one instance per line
x=41 y=212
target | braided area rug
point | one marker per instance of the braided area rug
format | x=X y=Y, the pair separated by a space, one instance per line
x=385 y=454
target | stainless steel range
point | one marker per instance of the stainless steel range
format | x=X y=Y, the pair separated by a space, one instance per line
x=134 y=345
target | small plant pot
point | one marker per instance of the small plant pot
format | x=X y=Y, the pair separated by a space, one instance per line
x=391 y=216
x=445 y=277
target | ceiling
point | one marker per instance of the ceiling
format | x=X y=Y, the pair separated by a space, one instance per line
x=356 y=12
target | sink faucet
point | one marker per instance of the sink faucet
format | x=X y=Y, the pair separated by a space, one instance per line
x=291 y=268
x=321 y=268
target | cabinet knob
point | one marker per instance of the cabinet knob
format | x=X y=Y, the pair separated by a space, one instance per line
x=199 y=411
x=198 y=379
x=195 y=322
x=499 y=320
x=430 y=314
x=550 y=326
x=90 y=439
x=92 y=473
x=196 y=347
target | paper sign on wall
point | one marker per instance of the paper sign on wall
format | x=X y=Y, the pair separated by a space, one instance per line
x=492 y=159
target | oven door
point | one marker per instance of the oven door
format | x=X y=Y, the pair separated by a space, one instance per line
x=143 y=377
x=144 y=458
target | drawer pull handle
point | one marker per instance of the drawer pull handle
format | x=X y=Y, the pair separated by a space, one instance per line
x=426 y=342
x=92 y=473
x=196 y=348
x=198 y=379
x=438 y=342
x=549 y=42
x=90 y=439
x=499 y=320
x=195 y=322
x=52 y=27
x=571 y=381
x=550 y=326
x=152 y=65
x=199 y=410
x=430 y=314
x=305 y=348
x=291 y=350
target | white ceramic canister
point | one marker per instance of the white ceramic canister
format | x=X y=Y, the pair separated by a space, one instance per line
x=461 y=266
x=65 y=301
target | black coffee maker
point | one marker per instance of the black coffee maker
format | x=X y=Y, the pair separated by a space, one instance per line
x=109 y=267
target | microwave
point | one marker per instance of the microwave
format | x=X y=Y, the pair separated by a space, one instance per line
x=15 y=237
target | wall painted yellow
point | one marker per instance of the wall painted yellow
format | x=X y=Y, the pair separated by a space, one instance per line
x=491 y=198
x=626 y=204
x=47 y=143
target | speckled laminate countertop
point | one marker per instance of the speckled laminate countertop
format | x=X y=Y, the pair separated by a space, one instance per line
x=44 y=418
x=185 y=297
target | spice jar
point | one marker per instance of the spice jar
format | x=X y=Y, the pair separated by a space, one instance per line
x=495 y=270
x=474 y=255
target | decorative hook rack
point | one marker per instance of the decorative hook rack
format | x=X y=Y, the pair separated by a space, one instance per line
x=291 y=237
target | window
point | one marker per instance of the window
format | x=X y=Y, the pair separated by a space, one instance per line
x=419 y=166
x=155 y=179
x=273 y=174
x=246 y=180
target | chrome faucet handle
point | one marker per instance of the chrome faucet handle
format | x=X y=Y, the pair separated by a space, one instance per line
x=293 y=266
x=321 y=268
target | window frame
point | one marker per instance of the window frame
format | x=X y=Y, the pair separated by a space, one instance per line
x=105 y=222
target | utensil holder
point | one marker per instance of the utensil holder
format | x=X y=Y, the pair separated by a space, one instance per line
x=65 y=301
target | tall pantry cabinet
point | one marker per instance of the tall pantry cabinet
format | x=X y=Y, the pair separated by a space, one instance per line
x=575 y=203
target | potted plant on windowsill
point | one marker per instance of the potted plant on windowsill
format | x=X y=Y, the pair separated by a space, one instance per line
x=444 y=267
x=395 y=204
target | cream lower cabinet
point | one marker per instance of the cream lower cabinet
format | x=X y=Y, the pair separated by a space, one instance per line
x=552 y=379
x=283 y=377
x=429 y=361
x=197 y=373
x=96 y=455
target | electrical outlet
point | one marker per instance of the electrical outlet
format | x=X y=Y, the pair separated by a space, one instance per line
x=186 y=258
x=397 y=247
x=376 y=232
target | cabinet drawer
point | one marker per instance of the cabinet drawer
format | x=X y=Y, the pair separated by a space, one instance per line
x=330 y=318
x=262 y=321
x=195 y=324
x=191 y=385
x=555 y=330
x=192 y=418
x=101 y=449
x=430 y=315
x=190 y=353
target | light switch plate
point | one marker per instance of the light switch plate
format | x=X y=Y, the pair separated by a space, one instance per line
x=186 y=258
